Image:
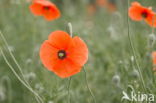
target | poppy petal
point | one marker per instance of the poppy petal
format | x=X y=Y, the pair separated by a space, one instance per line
x=66 y=68
x=154 y=58
x=43 y=2
x=151 y=19
x=39 y=8
x=135 y=13
x=36 y=9
x=135 y=3
x=48 y=55
x=52 y=13
x=60 y=39
x=79 y=53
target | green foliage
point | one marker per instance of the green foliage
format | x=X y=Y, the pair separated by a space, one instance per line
x=111 y=67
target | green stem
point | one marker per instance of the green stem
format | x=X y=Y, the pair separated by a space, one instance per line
x=8 y=83
x=69 y=82
x=90 y=91
x=70 y=31
x=133 y=50
x=14 y=59
x=18 y=77
x=12 y=56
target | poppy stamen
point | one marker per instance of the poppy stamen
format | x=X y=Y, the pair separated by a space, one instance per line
x=144 y=14
x=61 y=54
x=46 y=7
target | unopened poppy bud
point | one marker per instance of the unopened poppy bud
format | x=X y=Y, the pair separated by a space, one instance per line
x=135 y=74
x=132 y=58
x=120 y=62
x=2 y=94
x=112 y=32
x=50 y=102
x=11 y=48
x=152 y=39
x=39 y=88
x=116 y=80
x=30 y=76
x=28 y=61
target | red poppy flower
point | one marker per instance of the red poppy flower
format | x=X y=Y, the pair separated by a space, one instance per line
x=108 y=4
x=111 y=7
x=45 y=8
x=101 y=3
x=63 y=54
x=137 y=12
x=91 y=9
x=154 y=60
x=152 y=20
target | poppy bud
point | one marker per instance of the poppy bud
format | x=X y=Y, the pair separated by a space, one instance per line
x=116 y=80
x=39 y=88
x=151 y=40
x=50 y=102
x=2 y=94
x=135 y=73
x=132 y=58
x=30 y=76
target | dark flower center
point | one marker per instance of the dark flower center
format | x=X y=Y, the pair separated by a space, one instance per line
x=61 y=54
x=46 y=7
x=144 y=14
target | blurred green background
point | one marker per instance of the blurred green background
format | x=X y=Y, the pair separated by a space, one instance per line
x=111 y=68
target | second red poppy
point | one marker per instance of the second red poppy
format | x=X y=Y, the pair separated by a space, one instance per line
x=45 y=8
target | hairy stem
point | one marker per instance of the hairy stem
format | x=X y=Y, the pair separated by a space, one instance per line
x=90 y=91
x=133 y=50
